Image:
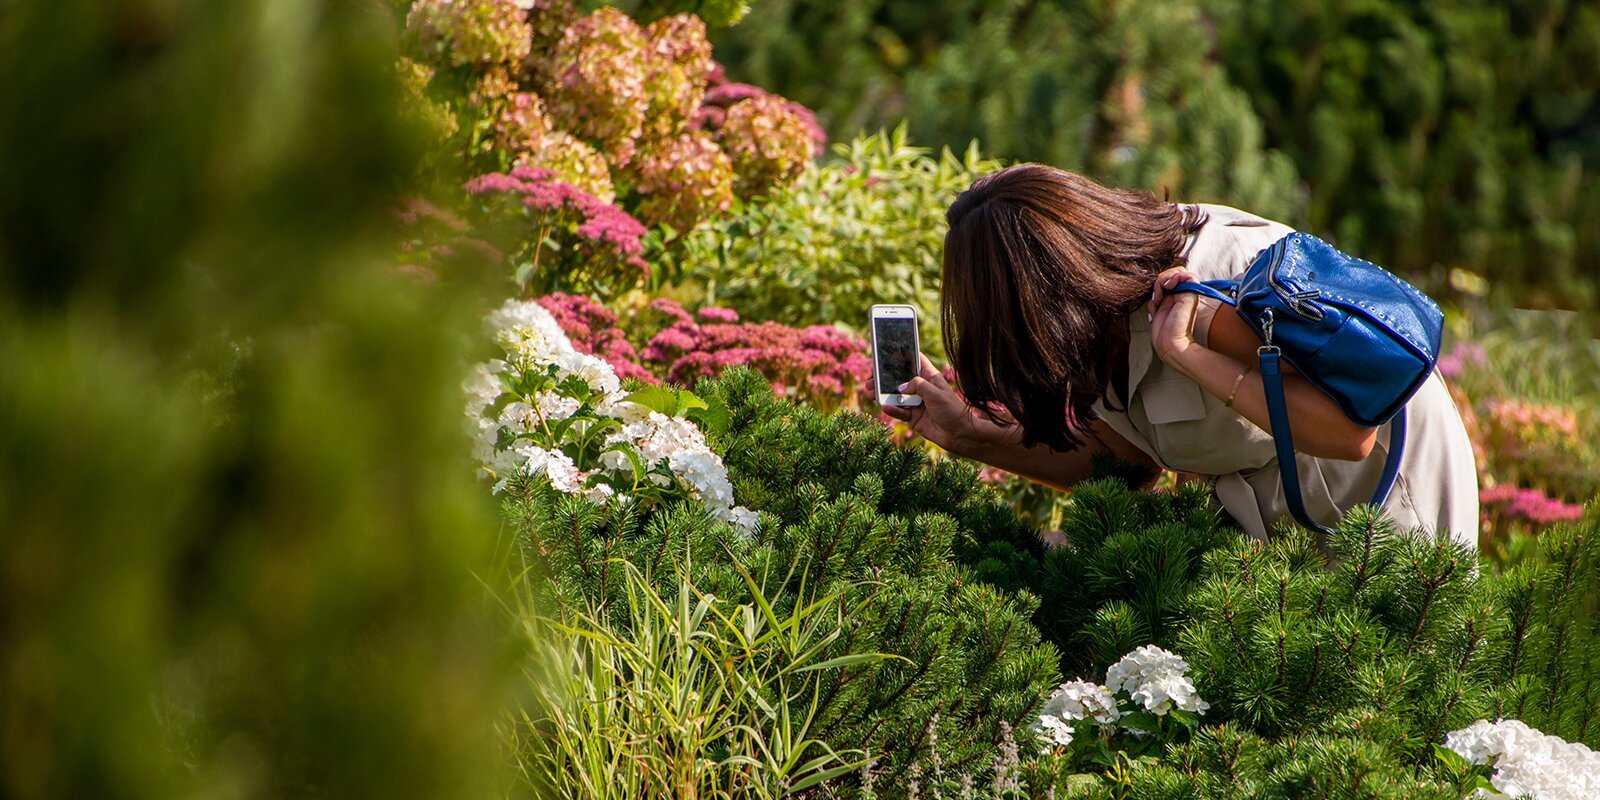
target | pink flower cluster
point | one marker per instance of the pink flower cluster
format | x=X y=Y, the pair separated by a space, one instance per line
x=437 y=240
x=677 y=63
x=817 y=363
x=770 y=139
x=1516 y=425
x=628 y=114
x=820 y=363
x=596 y=82
x=475 y=33
x=607 y=240
x=1528 y=505
x=1467 y=354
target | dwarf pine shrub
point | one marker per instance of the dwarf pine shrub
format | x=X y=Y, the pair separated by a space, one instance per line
x=1340 y=678
x=846 y=515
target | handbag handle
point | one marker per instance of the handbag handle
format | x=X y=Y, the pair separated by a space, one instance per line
x=1278 y=415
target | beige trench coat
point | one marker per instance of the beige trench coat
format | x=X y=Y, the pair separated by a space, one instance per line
x=1186 y=429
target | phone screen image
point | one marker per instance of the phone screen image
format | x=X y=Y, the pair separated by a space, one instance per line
x=896 y=351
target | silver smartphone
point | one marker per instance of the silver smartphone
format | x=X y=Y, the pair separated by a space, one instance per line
x=896 y=351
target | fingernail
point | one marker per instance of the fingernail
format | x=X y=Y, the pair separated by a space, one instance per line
x=1148 y=317
x=904 y=386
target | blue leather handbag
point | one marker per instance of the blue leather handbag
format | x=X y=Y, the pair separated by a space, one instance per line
x=1363 y=336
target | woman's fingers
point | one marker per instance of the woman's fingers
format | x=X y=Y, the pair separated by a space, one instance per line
x=1163 y=284
x=932 y=373
x=1172 y=326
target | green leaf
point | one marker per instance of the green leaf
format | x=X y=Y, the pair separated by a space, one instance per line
x=850 y=661
x=819 y=777
x=660 y=399
x=1141 y=721
x=1187 y=719
x=1452 y=759
x=712 y=416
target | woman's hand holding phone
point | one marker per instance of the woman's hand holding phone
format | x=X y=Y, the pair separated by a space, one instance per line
x=944 y=417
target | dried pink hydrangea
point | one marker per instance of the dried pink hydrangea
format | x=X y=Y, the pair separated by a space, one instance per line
x=595 y=82
x=469 y=33
x=548 y=20
x=768 y=142
x=677 y=61
x=682 y=181
x=520 y=124
x=573 y=162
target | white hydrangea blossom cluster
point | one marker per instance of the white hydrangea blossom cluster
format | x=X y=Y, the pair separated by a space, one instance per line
x=1074 y=701
x=1156 y=679
x=554 y=383
x=1528 y=762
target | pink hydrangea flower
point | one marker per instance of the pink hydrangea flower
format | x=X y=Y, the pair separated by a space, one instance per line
x=682 y=181
x=464 y=33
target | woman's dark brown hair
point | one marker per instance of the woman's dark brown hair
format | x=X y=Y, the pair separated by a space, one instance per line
x=1041 y=269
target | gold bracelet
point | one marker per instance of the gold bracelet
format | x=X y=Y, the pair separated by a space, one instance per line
x=1237 y=382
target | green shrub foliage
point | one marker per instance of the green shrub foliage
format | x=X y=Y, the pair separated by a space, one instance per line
x=864 y=227
x=844 y=511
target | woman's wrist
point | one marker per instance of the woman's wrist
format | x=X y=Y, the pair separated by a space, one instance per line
x=982 y=438
x=1184 y=358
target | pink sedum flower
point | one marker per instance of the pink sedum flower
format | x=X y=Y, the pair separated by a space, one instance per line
x=1528 y=505
x=718 y=314
x=606 y=238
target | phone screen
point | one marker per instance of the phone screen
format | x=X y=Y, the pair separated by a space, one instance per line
x=896 y=343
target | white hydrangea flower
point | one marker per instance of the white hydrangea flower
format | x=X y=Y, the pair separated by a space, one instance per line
x=1075 y=700
x=534 y=343
x=1527 y=761
x=747 y=521
x=564 y=474
x=525 y=329
x=482 y=388
x=1054 y=730
x=1156 y=679
x=602 y=379
x=554 y=406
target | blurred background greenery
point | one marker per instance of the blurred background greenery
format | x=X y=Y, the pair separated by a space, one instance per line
x=1427 y=136
x=238 y=533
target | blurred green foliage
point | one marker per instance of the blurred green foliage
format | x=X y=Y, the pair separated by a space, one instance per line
x=238 y=534
x=1422 y=135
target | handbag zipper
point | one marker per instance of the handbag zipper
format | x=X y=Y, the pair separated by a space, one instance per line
x=1298 y=302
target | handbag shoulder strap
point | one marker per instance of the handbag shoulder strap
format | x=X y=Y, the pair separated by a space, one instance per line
x=1278 y=416
x=1283 y=441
